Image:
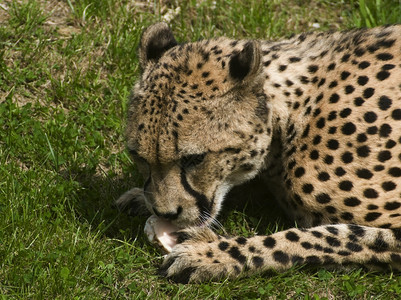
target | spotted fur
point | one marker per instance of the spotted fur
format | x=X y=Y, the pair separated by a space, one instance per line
x=318 y=115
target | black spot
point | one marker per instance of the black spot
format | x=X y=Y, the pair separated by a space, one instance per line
x=313 y=68
x=363 y=151
x=321 y=82
x=313 y=259
x=357 y=230
x=317 y=234
x=347 y=157
x=392 y=205
x=317 y=139
x=340 y=172
x=292 y=236
x=241 y=240
x=372 y=130
x=257 y=261
x=358 y=101
x=345 y=185
x=304 y=79
x=269 y=242
x=299 y=172
x=384 y=102
x=396 y=114
x=298 y=92
x=323 y=176
x=332 y=241
x=390 y=144
x=319 y=98
x=306 y=245
x=307 y=188
x=349 y=89
x=333 y=84
x=343 y=253
x=345 y=112
x=294 y=59
x=209 y=254
x=281 y=257
x=363 y=65
x=320 y=123
x=332 y=116
x=345 y=74
x=332 y=144
x=397 y=233
x=328 y=159
x=387 y=67
x=223 y=246
x=386 y=43
x=372 y=216
x=347 y=216
x=237 y=255
x=291 y=165
x=345 y=57
x=314 y=154
x=334 y=98
x=331 y=67
x=384 y=56
x=332 y=130
x=395 y=172
x=365 y=173
x=352 y=201
x=385 y=130
x=367 y=93
x=388 y=186
x=297 y=260
x=362 y=80
x=370 y=117
x=282 y=68
x=323 y=198
x=370 y=193
x=384 y=155
x=382 y=75
x=372 y=207
x=348 y=128
x=361 y=138
x=330 y=209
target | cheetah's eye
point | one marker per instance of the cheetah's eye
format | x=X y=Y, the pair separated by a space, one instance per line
x=192 y=160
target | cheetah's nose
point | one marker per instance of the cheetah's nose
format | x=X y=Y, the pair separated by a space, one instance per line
x=168 y=215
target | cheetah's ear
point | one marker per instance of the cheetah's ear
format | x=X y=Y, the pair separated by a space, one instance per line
x=246 y=63
x=155 y=40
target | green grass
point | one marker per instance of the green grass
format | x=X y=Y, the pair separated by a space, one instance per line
x=66 y=70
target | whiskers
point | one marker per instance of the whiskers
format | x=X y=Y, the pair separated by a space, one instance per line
x=212 y=222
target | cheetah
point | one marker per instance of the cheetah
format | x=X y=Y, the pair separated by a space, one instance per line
x=317 y=115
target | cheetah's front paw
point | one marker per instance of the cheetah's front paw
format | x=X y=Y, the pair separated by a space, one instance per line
x=200 y=258
x=132 y=202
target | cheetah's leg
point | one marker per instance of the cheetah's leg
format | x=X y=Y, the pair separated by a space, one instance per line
x=203 y=255
x=132 y=202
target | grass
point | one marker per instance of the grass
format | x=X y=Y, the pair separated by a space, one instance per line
x=66 y=69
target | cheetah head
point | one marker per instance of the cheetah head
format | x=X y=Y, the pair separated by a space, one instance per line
x=198 y=122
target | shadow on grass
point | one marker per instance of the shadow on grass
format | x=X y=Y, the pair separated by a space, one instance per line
x=97 y=194
x=94 y=203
